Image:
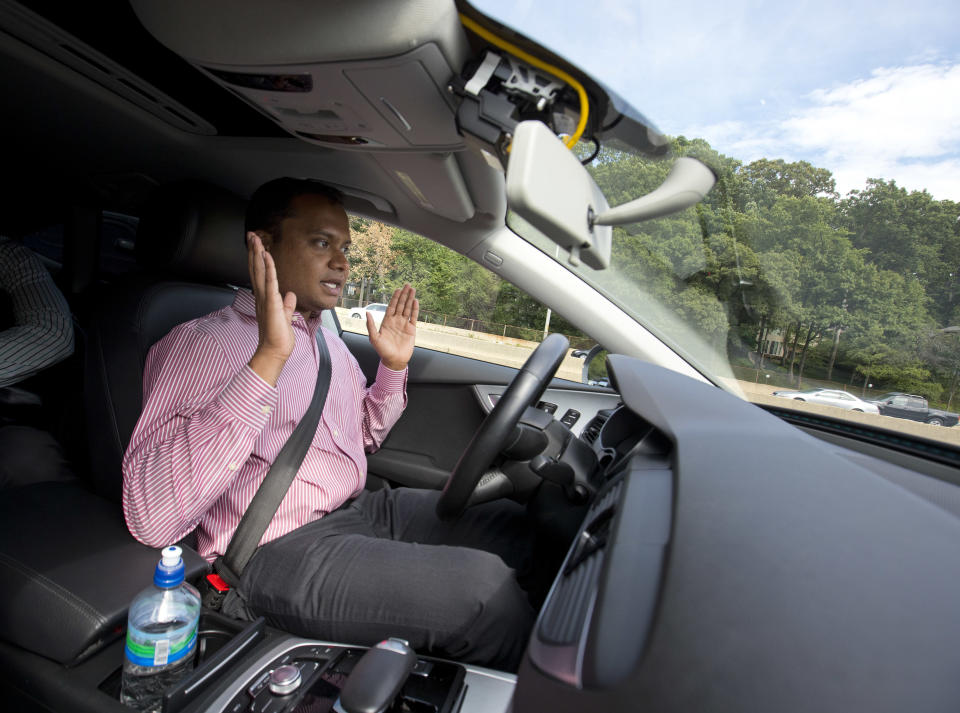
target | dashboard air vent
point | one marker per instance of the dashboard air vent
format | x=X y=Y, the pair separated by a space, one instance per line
x=592 y=429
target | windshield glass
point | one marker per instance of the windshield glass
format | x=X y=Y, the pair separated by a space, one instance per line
x=828 y=253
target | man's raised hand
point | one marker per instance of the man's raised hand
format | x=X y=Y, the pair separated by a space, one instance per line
x=274 y=314
x=395 y=339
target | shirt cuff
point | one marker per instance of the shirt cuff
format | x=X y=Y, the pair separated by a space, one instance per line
x=391 y=381
x=249 y=399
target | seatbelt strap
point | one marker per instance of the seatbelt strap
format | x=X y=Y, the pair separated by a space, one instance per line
x=266 y=501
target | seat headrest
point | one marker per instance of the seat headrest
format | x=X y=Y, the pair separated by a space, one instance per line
x=194 y=230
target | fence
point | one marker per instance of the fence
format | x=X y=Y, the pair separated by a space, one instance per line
x=505 y=331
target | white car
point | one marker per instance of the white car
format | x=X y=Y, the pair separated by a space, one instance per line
x=377 y=309
x=831 y=397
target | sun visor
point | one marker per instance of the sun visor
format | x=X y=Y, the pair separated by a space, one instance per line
x=434 y=181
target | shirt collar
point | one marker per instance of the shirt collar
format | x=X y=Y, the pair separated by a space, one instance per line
x=244 y=303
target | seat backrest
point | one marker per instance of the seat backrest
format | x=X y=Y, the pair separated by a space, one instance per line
x=190 y=248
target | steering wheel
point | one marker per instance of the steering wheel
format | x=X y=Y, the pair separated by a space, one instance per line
x=525 y=390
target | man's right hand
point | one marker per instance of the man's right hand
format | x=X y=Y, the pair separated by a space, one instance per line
x=274 y=314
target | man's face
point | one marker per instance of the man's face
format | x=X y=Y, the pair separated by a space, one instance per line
x=310 y=255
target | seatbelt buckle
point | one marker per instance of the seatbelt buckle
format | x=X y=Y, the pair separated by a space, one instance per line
x=215 y=590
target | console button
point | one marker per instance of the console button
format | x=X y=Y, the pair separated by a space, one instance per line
x=259 y=684
x=570 y=417
x=285 y=679
x=422 y=668
x=240 y=704
x=308 y=668
x=547 y=406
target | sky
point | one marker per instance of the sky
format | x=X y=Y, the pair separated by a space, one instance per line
x=864 y=89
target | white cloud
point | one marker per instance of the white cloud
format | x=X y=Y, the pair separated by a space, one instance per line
x=905 y=111
x=901 y=123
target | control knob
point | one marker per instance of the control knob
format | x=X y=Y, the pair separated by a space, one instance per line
x=285 y=679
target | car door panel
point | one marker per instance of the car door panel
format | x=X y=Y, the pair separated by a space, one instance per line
x=445 y=408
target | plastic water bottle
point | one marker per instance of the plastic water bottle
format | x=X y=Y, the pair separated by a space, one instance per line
x=161 y=635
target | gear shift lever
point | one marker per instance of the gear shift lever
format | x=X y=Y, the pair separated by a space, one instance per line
x=377 y=678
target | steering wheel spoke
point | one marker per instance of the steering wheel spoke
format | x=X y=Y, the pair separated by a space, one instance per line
x=494 y=484
x=525 y=390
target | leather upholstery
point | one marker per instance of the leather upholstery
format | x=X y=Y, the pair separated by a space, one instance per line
x=129 y=320
x=188 y=229
x=69 y=569
x=68 y=565
x=193 y=230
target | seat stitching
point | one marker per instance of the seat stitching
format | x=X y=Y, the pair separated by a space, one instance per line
x=64 y=594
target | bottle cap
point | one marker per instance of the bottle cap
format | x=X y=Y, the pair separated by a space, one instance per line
x=170 y=570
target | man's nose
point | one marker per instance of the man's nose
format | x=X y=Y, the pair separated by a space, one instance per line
x=339 y=260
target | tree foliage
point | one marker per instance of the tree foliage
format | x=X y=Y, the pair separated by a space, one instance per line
x=852 y=285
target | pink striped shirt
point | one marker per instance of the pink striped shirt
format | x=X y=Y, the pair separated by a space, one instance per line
x=211 y=428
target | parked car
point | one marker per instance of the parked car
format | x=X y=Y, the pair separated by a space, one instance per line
x=830 y=397
x=914 y=408
x=377 y=309
x=713 y=555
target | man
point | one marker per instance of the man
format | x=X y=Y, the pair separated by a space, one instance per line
x=37 y=333
x=222 y=395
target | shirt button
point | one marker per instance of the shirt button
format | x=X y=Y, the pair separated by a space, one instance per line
x=232 y=466
x=265 y=409
x=336 y=432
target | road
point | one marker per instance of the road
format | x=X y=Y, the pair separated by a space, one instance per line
x=513 y=352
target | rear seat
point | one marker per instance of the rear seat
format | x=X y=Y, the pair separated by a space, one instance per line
x=68 y=565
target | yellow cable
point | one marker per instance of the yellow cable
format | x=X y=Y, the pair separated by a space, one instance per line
x=530 y=59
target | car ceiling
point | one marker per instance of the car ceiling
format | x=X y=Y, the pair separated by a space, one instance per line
x=86 y=129
x=99 y=108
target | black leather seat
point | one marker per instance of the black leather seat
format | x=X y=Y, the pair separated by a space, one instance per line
x=190 y=247
x=68 y=565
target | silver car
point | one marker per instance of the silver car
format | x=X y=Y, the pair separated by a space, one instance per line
x=831 y=397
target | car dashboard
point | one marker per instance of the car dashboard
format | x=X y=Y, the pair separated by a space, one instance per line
x=727 y=560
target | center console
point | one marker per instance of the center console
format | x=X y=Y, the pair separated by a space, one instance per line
x=299 y=675
x=251 y=668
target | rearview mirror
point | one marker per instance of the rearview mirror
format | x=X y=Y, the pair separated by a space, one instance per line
x=549 y=188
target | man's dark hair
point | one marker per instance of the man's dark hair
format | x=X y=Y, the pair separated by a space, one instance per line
x=270 y=203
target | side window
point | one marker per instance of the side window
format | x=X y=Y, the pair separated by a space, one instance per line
x=464 y=308
x=916 y=403
x=900 y=401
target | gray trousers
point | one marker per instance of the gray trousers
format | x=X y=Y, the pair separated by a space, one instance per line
x=384 y=565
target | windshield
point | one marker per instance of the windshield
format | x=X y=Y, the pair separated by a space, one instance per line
x=828 y=253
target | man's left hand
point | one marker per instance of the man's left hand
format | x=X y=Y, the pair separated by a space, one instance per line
x=395 y=339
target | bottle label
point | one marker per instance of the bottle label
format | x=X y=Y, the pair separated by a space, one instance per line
x=158 y=650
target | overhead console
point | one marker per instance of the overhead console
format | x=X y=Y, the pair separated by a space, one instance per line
x=395 y=104
x=416 y=84
x=374 y=78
